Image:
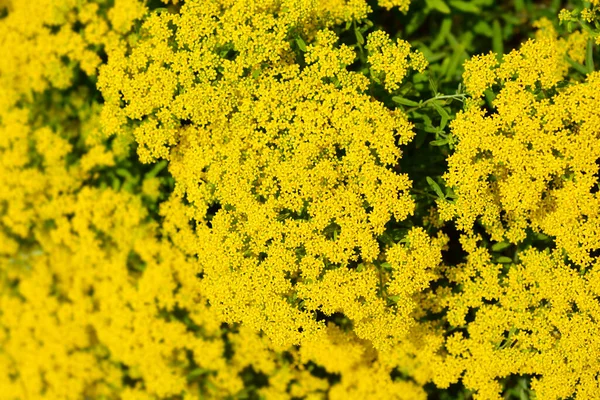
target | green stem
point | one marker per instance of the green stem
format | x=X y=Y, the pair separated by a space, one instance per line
x=459 y=97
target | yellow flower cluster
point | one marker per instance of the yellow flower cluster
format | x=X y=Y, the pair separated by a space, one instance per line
x=537 y=318
x=532 y=161
x=295 y=160
x=391 y=61
x=100 y=302
x=402 y=5
x=588 y=17
x=215 y=220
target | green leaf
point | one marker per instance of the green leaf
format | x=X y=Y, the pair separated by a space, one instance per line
x=436 y=188
x=301 y=44
x=386 y=266
x=580 y=68
x=439 y=142
x=483 y=28
x=439 y=5
x=589 y=57
x=465 y=6
x=404 y=102
x=519 y=5
x=431 y=129
x=504 y=260
x=434 y=57
x=157 y=168
x=497 y=39
x=541 y=236
x=420 y=138
x=490 y=96
x=455 y=61
x=197 y=372
x=450 y=194
x=359 y=36
x=443 y=113
x=433 y=85
x=445 y=28
x=122 y=172
x=417 y=20
x=500 y=246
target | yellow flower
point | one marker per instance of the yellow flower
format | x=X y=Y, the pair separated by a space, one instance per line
x=391 y=61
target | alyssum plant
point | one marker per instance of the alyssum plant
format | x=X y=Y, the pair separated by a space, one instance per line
x=299 y=199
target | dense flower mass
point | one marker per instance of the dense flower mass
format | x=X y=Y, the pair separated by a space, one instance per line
x=532 y=163
x=283 y=199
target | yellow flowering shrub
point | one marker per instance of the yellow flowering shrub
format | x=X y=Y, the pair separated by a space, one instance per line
x=531 y=163
x=536 y=318
x=219 y=199
x=88 y=290
x=525 y=165
x=294 y=160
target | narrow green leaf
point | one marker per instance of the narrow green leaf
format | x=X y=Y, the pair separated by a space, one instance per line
x=433 y=85
x=301 y=44
x=580 y=68
x=519 y=5
x=122 y=172
x=439 y=142
x=417 y=20
x=450 y=194
x=404 y=102
x=157 y=168
x=454 y=62
x=386 y=266
x=430 y=129
x=197 y=372
x=116 y=184
x=497 y=247
x=420 y=138
x=504 y=260
x=465 y=6
x=589 y=59
x=436 y=188
x=434 y=57
x=483 y=28
x=439 y=5
x=490 y=96
x=443 y=113
x=445 y=28
x=394 y=299
x=541 y=236
x=359 y=36
x=497 y=39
